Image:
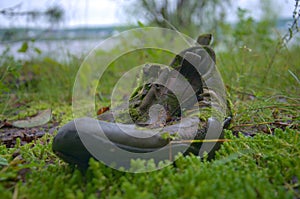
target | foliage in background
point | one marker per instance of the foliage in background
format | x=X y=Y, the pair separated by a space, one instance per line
x=294 y=27
x=53 y=14
x=259 y=52
x=51 y=17
x=189 y=17
x=36 y=79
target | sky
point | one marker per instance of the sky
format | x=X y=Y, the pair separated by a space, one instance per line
x=109 y=12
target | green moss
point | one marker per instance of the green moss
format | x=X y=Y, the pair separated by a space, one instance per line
x=263 y=166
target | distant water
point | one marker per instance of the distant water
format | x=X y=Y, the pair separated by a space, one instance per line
x=58 y=49
x=62 y=49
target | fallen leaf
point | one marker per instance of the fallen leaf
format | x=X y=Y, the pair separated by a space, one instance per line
x=102 y=110
x=42 y=118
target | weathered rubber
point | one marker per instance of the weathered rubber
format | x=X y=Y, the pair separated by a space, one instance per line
x=68 y=145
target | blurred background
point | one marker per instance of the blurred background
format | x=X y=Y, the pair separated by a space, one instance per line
x=65 y=27
x=43 y=43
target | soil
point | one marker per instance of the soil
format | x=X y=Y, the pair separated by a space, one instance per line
x=9 y=134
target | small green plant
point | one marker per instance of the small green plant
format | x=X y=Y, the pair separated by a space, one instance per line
x=10 y=69
x=168 y=136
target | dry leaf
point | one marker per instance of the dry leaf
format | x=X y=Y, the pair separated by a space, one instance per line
x=102 y=110
x=42 y=118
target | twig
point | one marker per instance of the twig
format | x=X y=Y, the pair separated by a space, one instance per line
x=199 y=141
x=281 y=123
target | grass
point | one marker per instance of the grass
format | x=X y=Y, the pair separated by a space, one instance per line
x=265 y=104
x=260 y=167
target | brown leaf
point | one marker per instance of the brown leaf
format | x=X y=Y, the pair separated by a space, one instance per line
x=102 y=110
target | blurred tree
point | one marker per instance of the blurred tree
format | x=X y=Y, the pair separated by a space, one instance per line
x=189 y=16
x=53 y=14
